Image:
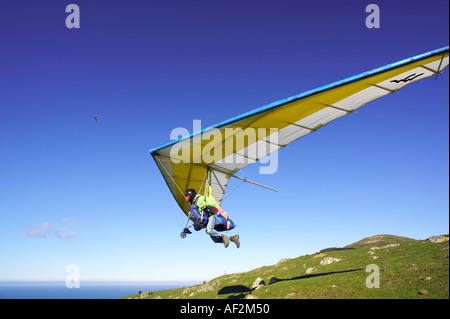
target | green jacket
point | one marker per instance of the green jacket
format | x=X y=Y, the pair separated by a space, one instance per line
x=209 y=200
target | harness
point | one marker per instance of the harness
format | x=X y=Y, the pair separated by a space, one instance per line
x=202 y=209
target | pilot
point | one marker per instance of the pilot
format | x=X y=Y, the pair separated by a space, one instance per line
x=203 y=202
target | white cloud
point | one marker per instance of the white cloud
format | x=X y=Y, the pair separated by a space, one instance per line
x=45 y=228
x=36 y=233
x=65 y=233
x=70 y=222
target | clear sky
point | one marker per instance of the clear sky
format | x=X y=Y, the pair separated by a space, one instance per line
x=77 y=191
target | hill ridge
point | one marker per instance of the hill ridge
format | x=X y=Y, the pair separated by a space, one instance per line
x=402 y=267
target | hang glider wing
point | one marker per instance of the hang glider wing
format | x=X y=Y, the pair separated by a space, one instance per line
x=229 y=146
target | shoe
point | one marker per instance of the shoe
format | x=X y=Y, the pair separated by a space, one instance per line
x=235 y=239
x=225 y=240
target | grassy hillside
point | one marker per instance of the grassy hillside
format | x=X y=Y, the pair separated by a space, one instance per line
x=380 y=240
x=407 y=268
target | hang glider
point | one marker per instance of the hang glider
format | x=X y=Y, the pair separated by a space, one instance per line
x=185 y=163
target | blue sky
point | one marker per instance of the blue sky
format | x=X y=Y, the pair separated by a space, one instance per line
x=77 y=191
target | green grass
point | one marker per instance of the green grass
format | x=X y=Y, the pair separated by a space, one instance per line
x=404 y=270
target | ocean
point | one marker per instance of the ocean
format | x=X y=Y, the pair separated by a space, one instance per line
x=87 y=290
